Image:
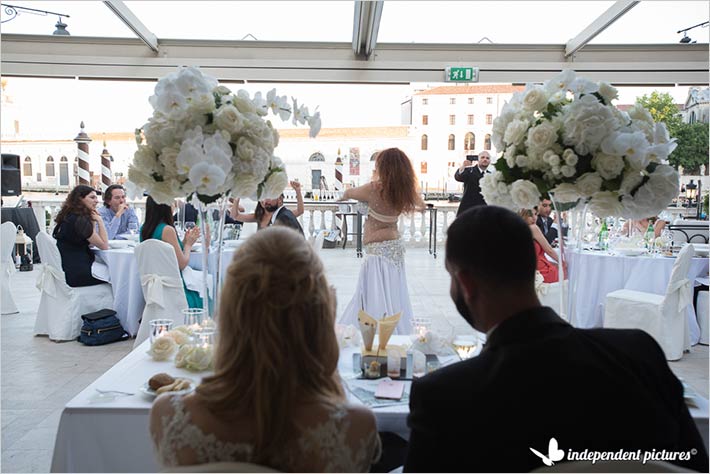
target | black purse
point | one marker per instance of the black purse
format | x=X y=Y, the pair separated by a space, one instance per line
x=101 y=327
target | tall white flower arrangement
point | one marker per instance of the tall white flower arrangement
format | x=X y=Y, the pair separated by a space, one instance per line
x=205 y=140
x=566 y=137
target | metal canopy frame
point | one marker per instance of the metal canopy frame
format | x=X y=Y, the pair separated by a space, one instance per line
x=363 y=61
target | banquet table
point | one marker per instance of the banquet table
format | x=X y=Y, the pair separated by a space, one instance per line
x=128 y=301
x=112 y=435
x=596 y=274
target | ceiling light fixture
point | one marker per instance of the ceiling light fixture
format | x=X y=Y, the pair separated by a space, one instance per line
x=13 y=11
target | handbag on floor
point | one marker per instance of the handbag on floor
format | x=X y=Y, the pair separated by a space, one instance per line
x=101 y=327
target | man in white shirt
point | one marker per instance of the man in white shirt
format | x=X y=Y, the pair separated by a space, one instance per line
x=117 y=215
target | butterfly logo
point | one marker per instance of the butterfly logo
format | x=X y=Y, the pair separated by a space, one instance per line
x=553 y=453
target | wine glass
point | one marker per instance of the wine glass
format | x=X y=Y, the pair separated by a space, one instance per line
x=133 y=228
x=189 y=225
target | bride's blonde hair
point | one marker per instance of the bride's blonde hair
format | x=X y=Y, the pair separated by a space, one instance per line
x=276 y=344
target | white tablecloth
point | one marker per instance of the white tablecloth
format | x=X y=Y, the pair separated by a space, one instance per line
x=113 y=436
x=597 y=274
x=128 y=299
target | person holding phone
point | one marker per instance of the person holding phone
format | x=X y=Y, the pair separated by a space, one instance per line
x=473 y=168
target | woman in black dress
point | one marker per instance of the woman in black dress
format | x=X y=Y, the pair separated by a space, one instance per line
x=78 y=226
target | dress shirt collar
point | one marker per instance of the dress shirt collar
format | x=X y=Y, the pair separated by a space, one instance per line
x=275 y=214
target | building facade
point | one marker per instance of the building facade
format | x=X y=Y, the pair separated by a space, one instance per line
x=697 y=105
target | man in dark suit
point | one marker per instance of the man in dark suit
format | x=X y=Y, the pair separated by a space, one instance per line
x=281 y=215
x=537 y=377
x=544 y=221
x=470 y=175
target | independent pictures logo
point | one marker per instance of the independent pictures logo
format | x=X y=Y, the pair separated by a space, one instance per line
x=555 y=454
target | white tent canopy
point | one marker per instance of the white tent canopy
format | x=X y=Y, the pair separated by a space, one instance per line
x=387 y=41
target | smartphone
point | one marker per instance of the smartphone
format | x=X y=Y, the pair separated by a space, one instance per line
x=472 y=157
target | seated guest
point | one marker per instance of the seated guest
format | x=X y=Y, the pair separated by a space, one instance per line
x=159 y=225
x=116 y=214
x=537 y=377
x=275 y=398
x=79 y=225
x=640 y=226
x=544 y=221
x=548 y=270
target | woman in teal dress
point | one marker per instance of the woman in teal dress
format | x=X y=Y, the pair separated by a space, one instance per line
x=159 y=225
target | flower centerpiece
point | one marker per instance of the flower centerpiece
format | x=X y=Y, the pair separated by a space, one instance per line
x=203 y=141
x=565 y=137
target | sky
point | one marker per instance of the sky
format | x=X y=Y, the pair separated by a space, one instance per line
x=53 y=108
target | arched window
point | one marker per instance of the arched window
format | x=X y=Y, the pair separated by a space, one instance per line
x=373 y=157
x=49 y=167
x=425 y=142
x=469 y=141
x=27 y=167
x=452 y=142
x=317 y=156
x=692 y=117
x=423 y=167
x=487 y=142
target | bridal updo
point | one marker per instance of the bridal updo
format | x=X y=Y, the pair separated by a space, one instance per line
x=276 y=344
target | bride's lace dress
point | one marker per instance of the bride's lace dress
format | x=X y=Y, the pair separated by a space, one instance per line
x=329 y=446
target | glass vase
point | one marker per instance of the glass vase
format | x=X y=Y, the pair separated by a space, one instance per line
x=213 y=251
x=562 y=257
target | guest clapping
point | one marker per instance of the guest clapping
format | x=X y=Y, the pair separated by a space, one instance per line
x=159 y=225
x=78 y=226
x=275 y=398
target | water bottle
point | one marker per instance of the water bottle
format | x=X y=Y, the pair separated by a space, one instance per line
x=649 y=236
x=604 y=236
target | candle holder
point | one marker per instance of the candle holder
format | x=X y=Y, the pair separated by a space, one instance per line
x=159 y=327
x=193 y=317
x=421 y=327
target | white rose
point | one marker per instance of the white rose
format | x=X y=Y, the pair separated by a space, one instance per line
x=245 y=185
x=588 y=184
x=251 y=159
x=525 y=194
x=243 y=103
x=535 y=98
x=570 y=157
x=178 y=336
x=164 y=192
x=630 y=181
x=515 y=132
x=662 y=186
x=566 y=192
x=567 y=171
x=521 y=161
x=608 y=92
x=145 y=159
x=551 y=158
x=199 y=359
x=181 y=356
x=608 y=166
x=228 y=118
x=587 y=124
x=605 y=204
x=260 y=132
x=162 y=348
x=541 y=137
x=274 y=185
x=495 y=191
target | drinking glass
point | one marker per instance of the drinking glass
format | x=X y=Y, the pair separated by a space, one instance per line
x=193 y=317
x=394 y=363
x=133 y=228
x=159 y=327
x=189 y=225
x=465 y=346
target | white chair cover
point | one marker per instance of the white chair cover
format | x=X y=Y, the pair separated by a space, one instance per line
x=703 y=316
x=662 y=316
x=551 y=296
x=8 y=231
x=161 y=284
x=61 y=306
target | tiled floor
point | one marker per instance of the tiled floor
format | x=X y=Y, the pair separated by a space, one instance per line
x=40 y=376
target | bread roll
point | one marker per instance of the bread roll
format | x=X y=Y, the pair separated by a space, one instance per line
x=160 y=380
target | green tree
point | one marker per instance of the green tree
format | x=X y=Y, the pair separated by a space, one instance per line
x=692 y=150
x=662 y=109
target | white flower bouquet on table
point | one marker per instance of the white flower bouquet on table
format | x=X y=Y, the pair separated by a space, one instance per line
x=203 y=139
x=566 y=137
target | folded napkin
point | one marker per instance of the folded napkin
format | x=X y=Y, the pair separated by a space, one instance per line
x=368 y=326
x=100 y=271
x=387 y=327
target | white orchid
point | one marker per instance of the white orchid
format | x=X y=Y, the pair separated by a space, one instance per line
x=204 y=139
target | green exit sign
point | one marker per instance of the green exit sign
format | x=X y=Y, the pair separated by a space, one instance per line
x=461 y=74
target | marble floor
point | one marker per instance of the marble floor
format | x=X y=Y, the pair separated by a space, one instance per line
x=38 y=377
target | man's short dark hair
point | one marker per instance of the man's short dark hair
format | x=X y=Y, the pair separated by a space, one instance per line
x=108 y=194
x=493 y=244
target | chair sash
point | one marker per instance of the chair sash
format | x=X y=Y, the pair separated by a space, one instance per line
x=153 y=287
x=685 y=292
x=48 y=279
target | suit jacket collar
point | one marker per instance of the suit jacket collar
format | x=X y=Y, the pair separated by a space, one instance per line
x=524 y=325
x=275 y=214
